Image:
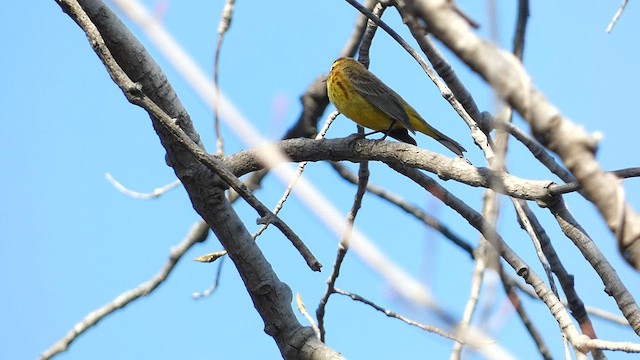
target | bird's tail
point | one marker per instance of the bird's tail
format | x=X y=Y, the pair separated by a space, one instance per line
x=402 y=135
x=443 y=139
x=422 y=126
x=450 y=144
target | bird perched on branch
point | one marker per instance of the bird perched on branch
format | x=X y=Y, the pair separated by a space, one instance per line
x=365 y=99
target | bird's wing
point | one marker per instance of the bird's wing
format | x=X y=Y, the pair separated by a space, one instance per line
x=382 y=97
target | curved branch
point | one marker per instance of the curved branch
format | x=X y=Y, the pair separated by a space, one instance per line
x=198 y=233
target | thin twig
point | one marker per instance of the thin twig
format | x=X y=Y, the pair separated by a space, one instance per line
x=370 y=31
x=521 y=29
x=473 y=337
x=617 y=15
x=451 y=87
x=198 y=233
x=391 y=314
x=303 y=310
x=472 y=302
x=216 y=282
x=489 y=232
x=343 y=246
x=509 y=285
x=299 y=172
x=223 y=27
x=567 y=351
x=407 y=207
x=599 y=313
x=537 y=150
x=371 y=16
x=525 y=223
x=558 y=189
x=156 y=193
x=605 y=315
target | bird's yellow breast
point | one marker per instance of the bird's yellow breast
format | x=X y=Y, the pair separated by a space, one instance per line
x=354 y=106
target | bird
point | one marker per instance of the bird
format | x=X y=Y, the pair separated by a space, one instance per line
x=362 y=97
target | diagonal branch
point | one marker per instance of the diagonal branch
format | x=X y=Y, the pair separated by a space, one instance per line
x=575 y=147
x=271 y=297
x=489 y=232
x=404 y=205
x=198 y=233
x=614 y=286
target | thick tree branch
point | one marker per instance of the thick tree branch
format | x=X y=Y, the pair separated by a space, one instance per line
x=356 y=149
x=271 y=297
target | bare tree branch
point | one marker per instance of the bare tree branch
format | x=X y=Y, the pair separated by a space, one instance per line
x=574 y=146
x=408 y=208
x=357 y=149
x=223 y=27
x=614 y=286
x=509 y=285
x=343 y=245
x=617 y=15
x=552 y=263
x=389 y=313
x=156 y=193
x=198 y=233
x=206 y=178
x=472 y=302
x=270 y=296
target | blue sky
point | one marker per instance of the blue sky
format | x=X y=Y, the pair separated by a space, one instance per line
x=71 y=242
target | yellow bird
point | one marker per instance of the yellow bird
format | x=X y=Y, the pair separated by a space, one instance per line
x=365 y=99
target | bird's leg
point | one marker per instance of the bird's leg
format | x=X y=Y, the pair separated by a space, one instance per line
x=373 y=132
x=386 y=132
